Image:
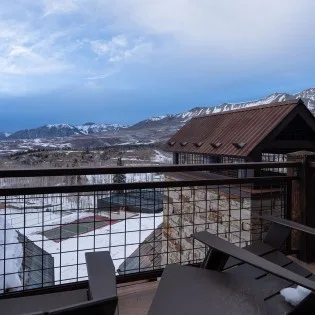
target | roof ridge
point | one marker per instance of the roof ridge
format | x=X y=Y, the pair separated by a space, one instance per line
x=257 y=107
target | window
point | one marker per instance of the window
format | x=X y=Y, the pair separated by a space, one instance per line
x=271 y=157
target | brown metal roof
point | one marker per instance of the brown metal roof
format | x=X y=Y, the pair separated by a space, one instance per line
x=232 y=133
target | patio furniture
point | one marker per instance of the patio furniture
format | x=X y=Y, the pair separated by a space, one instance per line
x=263 y=269
x=100 y=298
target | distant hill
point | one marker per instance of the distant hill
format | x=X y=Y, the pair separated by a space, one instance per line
x=62 y=130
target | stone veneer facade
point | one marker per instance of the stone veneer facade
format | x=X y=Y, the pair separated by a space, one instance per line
x=218 y=211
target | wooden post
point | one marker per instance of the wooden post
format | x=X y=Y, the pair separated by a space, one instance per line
x=303 y=204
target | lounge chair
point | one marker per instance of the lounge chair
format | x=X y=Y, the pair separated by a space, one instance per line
x=100 y=298
x=234 y=280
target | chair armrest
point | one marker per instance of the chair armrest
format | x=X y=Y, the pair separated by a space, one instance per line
x=223 y=246
x=101 y=274
x=290 y=224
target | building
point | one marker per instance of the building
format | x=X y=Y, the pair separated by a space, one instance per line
x=255 y=134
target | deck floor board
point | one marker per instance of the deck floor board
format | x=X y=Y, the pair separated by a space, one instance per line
x=136 y=299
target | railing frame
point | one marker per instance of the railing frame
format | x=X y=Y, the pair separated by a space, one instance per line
x=8 y=173
x=294 y=175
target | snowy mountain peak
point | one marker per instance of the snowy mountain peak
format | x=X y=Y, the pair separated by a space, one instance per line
x=308 y=93
x=157 y=118
x=89 y=128
x=59 y=126
x=178 y=120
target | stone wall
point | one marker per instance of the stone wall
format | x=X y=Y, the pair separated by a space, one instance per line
x=230 y=216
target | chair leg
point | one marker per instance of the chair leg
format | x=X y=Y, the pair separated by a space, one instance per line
x=214 y=260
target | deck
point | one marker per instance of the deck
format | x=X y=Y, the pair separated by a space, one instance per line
x=136 y=298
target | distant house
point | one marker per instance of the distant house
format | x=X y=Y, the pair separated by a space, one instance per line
x=254 y=134
x=37 y=269
x=143 y=201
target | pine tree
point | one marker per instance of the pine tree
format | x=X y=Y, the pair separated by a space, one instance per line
x=119 y=178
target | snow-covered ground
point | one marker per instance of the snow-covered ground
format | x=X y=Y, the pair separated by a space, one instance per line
x=34 y=215
x=11 y=253
x=162 y=158
x=98 y=179
x=122 y=239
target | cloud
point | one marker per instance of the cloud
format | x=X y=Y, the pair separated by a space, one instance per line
x=97 y=39
x=47 y=38
x=103 y=75
x=25 y=51
x=118 y=49
x=243 y=27
x=59 y=6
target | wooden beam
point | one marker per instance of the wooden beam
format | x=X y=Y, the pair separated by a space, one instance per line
x=303 y=203
x=291 y=145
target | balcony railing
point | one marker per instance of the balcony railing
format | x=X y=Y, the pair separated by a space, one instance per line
x=145 y=223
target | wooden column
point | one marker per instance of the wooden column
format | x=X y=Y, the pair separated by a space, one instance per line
x=176 y=158
x=302 y=208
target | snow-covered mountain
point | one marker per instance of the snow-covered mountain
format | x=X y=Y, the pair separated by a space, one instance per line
x=276 y=97
x=169 y=123
x=89 y=128
x=177 y=120
x=154 y=122
x=47 y=131
x=4 y=135
x=308 y=96
x=62 y=130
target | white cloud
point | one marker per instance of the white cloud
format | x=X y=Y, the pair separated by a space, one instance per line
x=226 y=29
x=59 y=6
x=111 y=47
x=233 y=26
x=119 y=49
x=103 y=75
x=47 y=37
x=120 y=41
x=25 y=51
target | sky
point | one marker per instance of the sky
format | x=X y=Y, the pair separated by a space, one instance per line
x=120 y=61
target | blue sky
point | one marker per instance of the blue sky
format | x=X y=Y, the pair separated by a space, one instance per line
x=124 y=60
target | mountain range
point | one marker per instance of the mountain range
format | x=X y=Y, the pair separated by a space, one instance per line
x=173 y=121
x=61 y=130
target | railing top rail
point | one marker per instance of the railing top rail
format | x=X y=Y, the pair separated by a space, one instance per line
x=7 y=173
x=271 y=180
